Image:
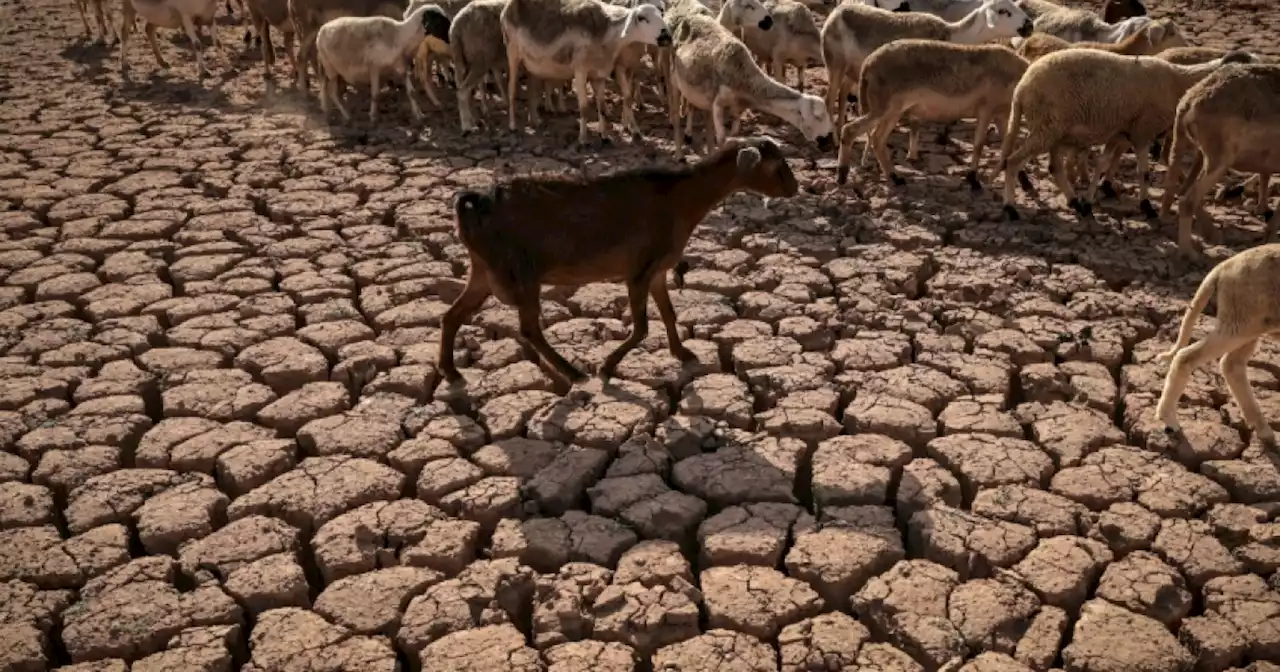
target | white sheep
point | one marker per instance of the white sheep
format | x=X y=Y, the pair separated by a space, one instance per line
x=265 y=15
x=1247 y=287
x=578 y=40
x=713 y=70
x=309 y=15
x=792 y=37
x=887 y=5
x=361 y=49
x=477 y=50
x=171 y=15
x=853 y=31
x=1231 y=119
x=1079 y=98
x=1080 y=25
x=935 y=81
x=630 y=61
x=947 y=10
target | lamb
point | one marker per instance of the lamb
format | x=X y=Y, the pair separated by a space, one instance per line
x=1080 y=25
x=1038 y=8
x=1191 y=55
x=1114 y=11
x=889 y=5
x=360 y=49
x=1228 y=120
x=1246 y=287
x=477 y=50
x=268 y=14
x=434 y=51
x=1153 y=38
x=309 y=15
x=578 y=40
x=791 y=36
x=169 y=14
x=629 y=226
x=713 y=70
x=1079 y=98
x=630 y=59
x=853 y=31
x=100 y=12
x=931 y=81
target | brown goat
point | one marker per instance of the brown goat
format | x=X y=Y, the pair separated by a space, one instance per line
x=1247 y=286
x=1114 y=11
x=629 y=226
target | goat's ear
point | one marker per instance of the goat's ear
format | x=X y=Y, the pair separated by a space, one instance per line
x=748 y=159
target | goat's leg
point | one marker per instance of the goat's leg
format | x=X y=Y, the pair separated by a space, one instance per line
x=638 y=293
x=658 y=290
x=428 y=86
x=467 y=303
x=1234 y=367
x=529 y=307
x=408 y=92
x=1184 y=364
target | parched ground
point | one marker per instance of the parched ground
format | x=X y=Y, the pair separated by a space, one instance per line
x=915 y=435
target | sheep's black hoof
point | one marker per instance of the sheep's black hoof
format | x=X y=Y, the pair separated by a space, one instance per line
x=972 y=178
x=1107 y=190
x=688 y=139
x=636 y=137
x=1147 y=209
x=1025 y=182
x=896 y=179
x=248 y=37
x=1082 y=207
x=1086 y=334
x=851 y=99
x=842 y=175
x=1065 y=337
x=943 y=137
x=606 y=142
x=1010 y=213
x=1233 y=192
x=1268 y=214
x=1155 y=150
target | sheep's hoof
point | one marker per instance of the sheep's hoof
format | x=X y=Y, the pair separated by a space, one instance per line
x=1107 y=190
x=972 y=178
x=851 y=99
x=842 y=175
x=1155 y=150
x=688 y=139
x=896 y=179
x=1232 y=192
x=943 y=137
x=678 y=272
x=1025 y=183
x=1081 y=207
x=1148 y=210
x=1268 y=214
x=1010 y=213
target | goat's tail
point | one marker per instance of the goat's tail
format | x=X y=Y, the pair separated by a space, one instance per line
x=1207 y=288
x=469 y=209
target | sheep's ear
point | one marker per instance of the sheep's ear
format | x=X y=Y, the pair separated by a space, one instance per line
x=748 y=159
x=631 y=22
x=1155 y=32
x=991 y=17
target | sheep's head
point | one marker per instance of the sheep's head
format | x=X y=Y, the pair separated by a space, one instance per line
x=763 y=169
x=1238 y=56
x=1118 y=10
x=435 y=25
x=749 y=13
x=889 y=5
x=646 y=25
x=660 y=4
x=814 y=121
x=1164 y=34
x=1005 y=19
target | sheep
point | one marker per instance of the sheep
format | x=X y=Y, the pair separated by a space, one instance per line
x=100 y=12
x=172 y=15
x=791 y=38
x=477 y=50
x=1246 y=286
x=1149 y=40
x=1078 y=98
x=360 y=49
x=1114 y=11
x=630 y=58
x=931 y=81
x=309 y=15
x=1037 y=8
x=629 y=225
x=713 y=70
x=947 y=10
x=1080 y=25
x=430 y=51
x=1191 y=55
x=853 y=31
x=1228 y=120
x=578 y=40
x=268 y=14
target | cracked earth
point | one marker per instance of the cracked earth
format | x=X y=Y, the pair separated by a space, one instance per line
x=916 y=437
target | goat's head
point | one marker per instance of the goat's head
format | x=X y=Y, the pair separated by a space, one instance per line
x=435 y=26
x=763 y=169
x=1004 y=19
x=646 y=25
x=1118 y=10
x=749 y=13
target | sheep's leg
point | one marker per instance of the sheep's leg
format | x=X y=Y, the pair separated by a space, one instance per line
x=1215 y=167
x=467 y=83
x=189 y=27
x=979 y=142
x=580 y=90
x=848 y=134
x=212 y=27
x=126 y=23
x=306 y=49
x=1264 y=187
x=429 y=86
x=1172 y=188
x=375 y=86
x=513 y=73
x=628 y=88
x=99 y=16
x=1182 y=367
x=597 y=92
x=501 y=85
x=879 y=139
x=1058 y=170
x=149 y=31
x=658 y=290
x=408 y=92
x=1144 y=180
x=84 y=17
x=638 y=292
x=717 y=121
x=1234 y=367
x=331 y=88
x=288 y=48
x=537 y=89
x=913 y=141
x=1106 y=163
x=466 y=305
x=1013 y=161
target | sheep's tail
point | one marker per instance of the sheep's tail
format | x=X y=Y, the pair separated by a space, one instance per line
x=1207 y=288
x=469 y=210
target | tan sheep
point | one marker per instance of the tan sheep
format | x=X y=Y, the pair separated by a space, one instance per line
x=793 y=39
x=265 y=15
x=1246 y=286
x=475 y=42
x=852 y=31
x=101 y=10
x=1231 y=119
x=1080 y=98
x=1082 y=25
x=309 y=15
x=1153 y=38
x=931 y=81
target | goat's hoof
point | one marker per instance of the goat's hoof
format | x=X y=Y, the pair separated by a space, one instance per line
x=685 y=354
x=1107 y=190
x=1232 y=192
x=1025 y=182
x=1010 y=213
x=972 y=178
x=1148 y=210
x=896 y=179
